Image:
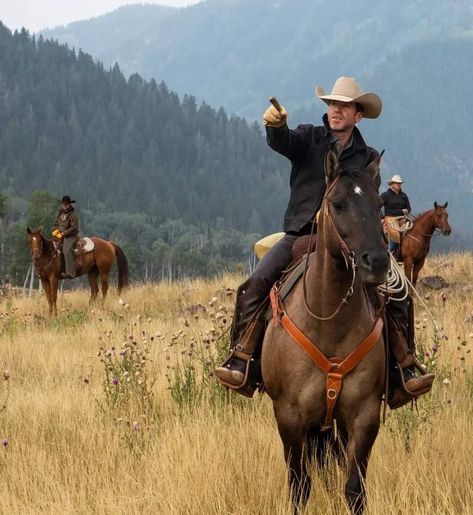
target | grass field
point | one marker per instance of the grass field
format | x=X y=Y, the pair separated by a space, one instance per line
x=112 y=411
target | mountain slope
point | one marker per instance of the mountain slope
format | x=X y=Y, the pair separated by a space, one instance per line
x=237 y=52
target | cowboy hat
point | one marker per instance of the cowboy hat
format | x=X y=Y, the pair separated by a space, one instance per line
x=397 y=179
x=67 y=200
x=346 y=89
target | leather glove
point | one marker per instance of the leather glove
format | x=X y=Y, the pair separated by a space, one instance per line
x=275 y=115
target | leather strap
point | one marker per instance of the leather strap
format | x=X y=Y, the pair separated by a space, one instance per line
x=334 y=368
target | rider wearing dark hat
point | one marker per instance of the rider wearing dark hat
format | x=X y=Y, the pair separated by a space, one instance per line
x=66 y=229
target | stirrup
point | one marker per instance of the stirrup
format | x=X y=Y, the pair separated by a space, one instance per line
x=402 y=395
x=247 y=387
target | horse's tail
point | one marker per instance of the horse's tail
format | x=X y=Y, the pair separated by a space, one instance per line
x=122 y=266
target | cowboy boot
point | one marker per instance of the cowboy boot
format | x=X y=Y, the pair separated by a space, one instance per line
x=246 y=335
x=405 y=385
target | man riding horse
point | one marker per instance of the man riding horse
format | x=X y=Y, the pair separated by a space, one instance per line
x=396 y=204
x=66 y=230
x=306 y=147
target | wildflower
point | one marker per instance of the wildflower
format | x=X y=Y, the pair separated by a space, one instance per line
x=136 y=427
x=435 y=348
x=115 y=381
x=6 y=375
x=5 y=442
x=446 y=381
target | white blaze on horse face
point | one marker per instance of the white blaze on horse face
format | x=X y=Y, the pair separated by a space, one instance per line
x=358 y=190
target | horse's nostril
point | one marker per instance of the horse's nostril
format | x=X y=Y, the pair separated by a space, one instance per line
x=366 y=260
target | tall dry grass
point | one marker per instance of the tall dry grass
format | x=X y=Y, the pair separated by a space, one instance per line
x=68 y=448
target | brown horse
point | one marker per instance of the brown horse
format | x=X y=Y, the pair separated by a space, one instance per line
x=348 y=232
x=96 y=264
x=416 y=243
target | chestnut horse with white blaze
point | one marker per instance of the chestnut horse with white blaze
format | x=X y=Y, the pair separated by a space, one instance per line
x=96 y=264
x=415 y=244
x=339 y=312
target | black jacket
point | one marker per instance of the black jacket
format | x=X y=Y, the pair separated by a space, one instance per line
x=394 y=203
x=306 y=147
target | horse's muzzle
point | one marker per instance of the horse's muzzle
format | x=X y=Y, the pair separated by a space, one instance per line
x=373 y=266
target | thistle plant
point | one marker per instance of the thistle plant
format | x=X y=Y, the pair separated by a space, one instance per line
x=128 y=389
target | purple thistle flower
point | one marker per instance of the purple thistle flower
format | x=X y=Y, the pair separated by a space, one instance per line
x=115 y=381
x=5 y=442
x=435 y=348
x=427 y=354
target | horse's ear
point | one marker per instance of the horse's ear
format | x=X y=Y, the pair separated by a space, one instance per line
x=332 y=167
x=445 y=206
x=28 y=230
x=374 y=167
x=435 y=204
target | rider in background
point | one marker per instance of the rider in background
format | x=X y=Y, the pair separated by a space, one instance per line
x=66 y=230
x=396 y=204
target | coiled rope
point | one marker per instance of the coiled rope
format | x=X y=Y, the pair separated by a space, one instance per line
x=397 y=288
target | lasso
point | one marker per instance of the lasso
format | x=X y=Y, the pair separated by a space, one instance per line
x=397 y=285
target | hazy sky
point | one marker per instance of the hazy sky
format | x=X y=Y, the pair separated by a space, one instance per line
x=40 y=14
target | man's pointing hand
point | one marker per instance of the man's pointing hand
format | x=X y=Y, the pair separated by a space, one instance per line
x=275 y=115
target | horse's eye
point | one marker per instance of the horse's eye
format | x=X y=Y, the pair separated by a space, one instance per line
x=338 y=206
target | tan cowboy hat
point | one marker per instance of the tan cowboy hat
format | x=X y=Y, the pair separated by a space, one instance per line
x=346 y=89
x=397 y=179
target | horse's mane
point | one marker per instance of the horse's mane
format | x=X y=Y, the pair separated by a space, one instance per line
x=419 y=216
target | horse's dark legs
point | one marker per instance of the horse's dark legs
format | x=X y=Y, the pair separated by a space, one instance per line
x=293 y=439
x=408 y=264
x=416 y=270
x=53 y=282
x=360 y=441
x=92 y=276
x=104 y=284
x=47 y=291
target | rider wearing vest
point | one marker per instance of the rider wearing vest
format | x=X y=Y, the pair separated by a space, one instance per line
x=395 y=203
x=306 y=147
x=66 y=229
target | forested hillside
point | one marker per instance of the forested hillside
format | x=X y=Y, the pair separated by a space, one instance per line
x=166 y=177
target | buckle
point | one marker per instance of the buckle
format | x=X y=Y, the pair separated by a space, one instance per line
x=331 y=394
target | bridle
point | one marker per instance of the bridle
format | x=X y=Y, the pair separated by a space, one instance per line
x=347 y=253
x=36 y=260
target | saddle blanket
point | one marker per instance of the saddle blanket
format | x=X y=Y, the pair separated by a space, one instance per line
x=85 y=244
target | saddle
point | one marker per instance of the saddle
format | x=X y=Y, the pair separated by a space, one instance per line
x=396 y=227
x=83 y=246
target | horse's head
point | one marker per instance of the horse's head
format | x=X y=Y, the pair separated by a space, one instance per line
x=441 y=219
x=35 y=242
x=352 y=210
